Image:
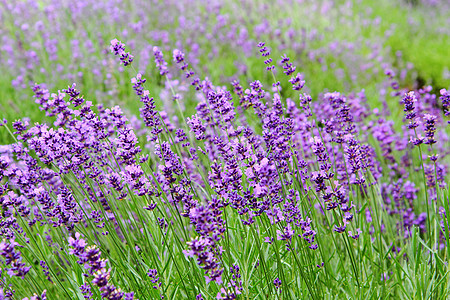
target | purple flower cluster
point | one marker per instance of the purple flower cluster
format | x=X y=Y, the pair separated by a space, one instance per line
x=13 y=259
x=210 y=227
x=284 y=170
x=118 y=48
x=89 y=257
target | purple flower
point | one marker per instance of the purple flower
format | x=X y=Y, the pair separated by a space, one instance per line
x=118 y=48
x=45 y=269
x=236 y=281
x=265 y=52
x=199 y=297
x=13 y=259
x=277 y=283
x=410 y=112
x=429 y=128
x=285 y=235
x=288 y=67
x=178 y=57
x=196 y=125
x=340 y=229
x=138 y=84
x=74 y=95
x=86 y=291
x=90 y=257
x=161 y=64
x=153 y=274
x=297 y=82
x=445 y=98
x=355 y=235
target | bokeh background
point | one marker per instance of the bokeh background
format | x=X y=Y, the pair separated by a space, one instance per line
x=344 y=46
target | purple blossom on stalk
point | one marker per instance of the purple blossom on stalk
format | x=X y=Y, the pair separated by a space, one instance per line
x=210 y=226
x=13 y=259
x=20 y=126
x=118 y=48
x=138 y=84
x=277 y=283
x=297 y=82
x=308 y=233
x=86 y=291
x=319 y=149
x=35 y=296
x=206 y=252
x=340 y=229
x=236 y=281
x=199 y=297
x=133 y=175
x=153 y=274
x=445 y=229
x=161 y=64
x=151 y=206
x=429 y=128
x=288 y=67
x=196 y=125
x=410 y=112
x=224 y=294
x=90 y=258
x=127 y=147
x=129 y=296
x=45 y=269
x=265 y=52
x=435 y=172
x=74 y=95
x=445 y=98
x=268 y=240
x=393 y=82
x=150 y=116
x=285 y=235
x=417 y=140
x=178 y=57
x=148 y=112
x=355 y=235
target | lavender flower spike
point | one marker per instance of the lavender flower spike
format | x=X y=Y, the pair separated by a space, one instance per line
x=410 y=113
x=118 y=48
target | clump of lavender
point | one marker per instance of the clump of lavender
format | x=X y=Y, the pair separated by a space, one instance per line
x=90 y=258
x=246 y=187
x=210 y=227
x=12 y=258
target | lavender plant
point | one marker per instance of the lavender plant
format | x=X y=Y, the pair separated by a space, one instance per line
x=245 y=175
x=255 y=196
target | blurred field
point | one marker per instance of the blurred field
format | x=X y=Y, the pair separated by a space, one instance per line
x=412 y=39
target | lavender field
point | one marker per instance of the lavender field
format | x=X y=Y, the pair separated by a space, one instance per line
x=290 y=149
